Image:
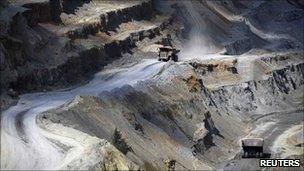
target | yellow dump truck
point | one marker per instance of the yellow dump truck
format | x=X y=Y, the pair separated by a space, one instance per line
x=166 y=53
x=253 y=147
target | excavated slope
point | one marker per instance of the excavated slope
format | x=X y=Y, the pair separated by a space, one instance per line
x=175 y=116
x=185 y=115
x=39 y=53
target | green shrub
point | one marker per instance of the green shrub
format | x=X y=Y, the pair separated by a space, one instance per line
x=120 y=143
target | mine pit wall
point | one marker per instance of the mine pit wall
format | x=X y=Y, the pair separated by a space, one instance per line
x=144 y=11
x=69 y=6
x=38 y=12
x=158 y=126
x=111 y=20
x=238 y=47
x=66 y=6
x=83 y=65
x=261 y=96
x=77 y=67
x=116 y=48
x=168 y=114
x=245 y=44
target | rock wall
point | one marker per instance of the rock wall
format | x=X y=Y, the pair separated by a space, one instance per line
x=174 y=116
x=109 y=21
x=46 y=11
x=82 y=66
x=240 y=26
x=38 y=12
x=35 y=58
x=258 y=96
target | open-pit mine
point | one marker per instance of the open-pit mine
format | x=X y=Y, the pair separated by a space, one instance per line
x=151 y=84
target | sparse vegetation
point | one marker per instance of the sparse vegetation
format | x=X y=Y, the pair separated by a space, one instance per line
x=150 y=167
x=120 y=143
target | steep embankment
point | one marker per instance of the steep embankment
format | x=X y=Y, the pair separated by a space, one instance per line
x=37 y=53
x=42 y=46
x=186 y=115
x=236 y=27
x=182 y=117
x=22 y=140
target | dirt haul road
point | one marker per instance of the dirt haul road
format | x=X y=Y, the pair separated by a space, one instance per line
x=23 y=146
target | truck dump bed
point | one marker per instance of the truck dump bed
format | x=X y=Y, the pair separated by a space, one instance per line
x=253 y=142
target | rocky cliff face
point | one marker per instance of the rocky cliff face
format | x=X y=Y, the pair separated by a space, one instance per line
x=236 y=27
x=178 y=116
x=189 y=116
x=37 y=53
x=47 y=50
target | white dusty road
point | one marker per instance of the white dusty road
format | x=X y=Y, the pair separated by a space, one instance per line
x=24 y=145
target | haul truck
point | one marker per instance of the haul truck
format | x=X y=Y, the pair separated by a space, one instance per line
x=253 y=147
x=166 y=53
